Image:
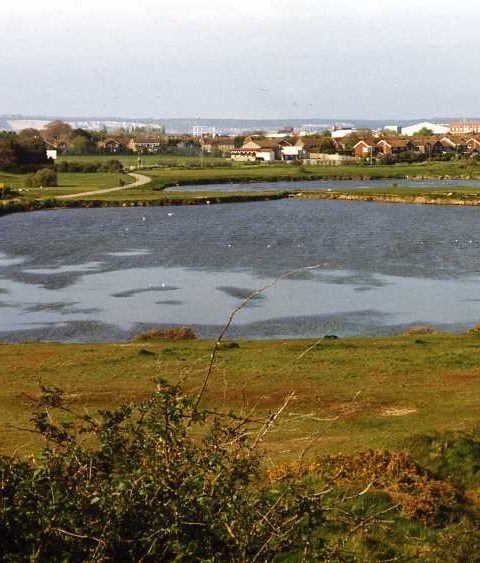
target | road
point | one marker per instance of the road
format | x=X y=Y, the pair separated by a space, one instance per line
x=140 y=180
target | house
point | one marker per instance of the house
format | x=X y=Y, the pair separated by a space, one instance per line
x=223 y=145
x=454 y=143
x=473 y=145
x=258 y=149
x=112 y=145
x=146 y=145
x=392 y=147
x=365 y=148
x=428 y=145
x=464 y=128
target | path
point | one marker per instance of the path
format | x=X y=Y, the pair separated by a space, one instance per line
x=140 y=180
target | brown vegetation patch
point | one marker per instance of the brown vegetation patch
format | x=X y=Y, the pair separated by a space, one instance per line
x=173 y=333
x=418 y=330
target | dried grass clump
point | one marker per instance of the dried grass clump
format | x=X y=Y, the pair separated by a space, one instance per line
x=172 y=333
x=416 y=330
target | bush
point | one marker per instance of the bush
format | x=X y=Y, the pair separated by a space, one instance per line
x=159 y=482
x=111 y=165
x=173 y=333
x=43 y=178
x=7 y=193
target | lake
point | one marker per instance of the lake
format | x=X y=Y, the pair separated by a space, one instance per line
x=106 y=274
x=324 y=185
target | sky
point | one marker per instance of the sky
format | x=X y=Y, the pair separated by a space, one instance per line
x=336 y=59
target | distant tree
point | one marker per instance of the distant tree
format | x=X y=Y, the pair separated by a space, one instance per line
x=33 y=150
x=424 y=132
x=9 y=155
x=80 y=145
x=238 y=141
x=23 y=152
x=28 y=134
x=58 y=130
x=326 y=145
x=349 y=142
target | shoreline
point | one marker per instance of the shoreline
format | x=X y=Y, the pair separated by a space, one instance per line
x=190 y=198
x=441 y=199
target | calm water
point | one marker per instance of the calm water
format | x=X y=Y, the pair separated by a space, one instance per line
x=324 y=185
x=104 y=274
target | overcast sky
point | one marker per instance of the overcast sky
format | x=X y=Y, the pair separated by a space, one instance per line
x=338 y=59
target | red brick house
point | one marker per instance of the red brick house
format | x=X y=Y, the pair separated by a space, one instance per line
x=393 y=147
x=365 y=148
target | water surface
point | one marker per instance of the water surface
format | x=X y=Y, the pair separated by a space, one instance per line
x=104 y=274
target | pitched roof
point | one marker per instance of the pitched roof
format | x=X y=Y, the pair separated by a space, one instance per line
x=395 y=142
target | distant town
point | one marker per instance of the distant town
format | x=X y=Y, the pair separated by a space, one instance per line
x=328 y=145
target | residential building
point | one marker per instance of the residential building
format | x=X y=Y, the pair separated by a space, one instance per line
x=366 y=148
x=150 y=145
x=113 y=146
x=464 y=128
x=392 y=147
x=223 y=145
x=259 y=149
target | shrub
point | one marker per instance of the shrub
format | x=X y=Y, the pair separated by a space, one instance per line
x=474 y=330
x=90 y=167
x=7 y=193
x=43 y=178
x=173 y=333
x=159 y=482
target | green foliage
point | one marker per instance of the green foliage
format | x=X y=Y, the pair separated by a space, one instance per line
x=7 y=192
x=451 y=456
x=161 y=481
x=424 y=132
x=110 y=165
x=43 y=178
x=23 y=152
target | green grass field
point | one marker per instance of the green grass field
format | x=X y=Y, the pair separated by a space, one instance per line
x=67 y=183
x=146 y=159
x=351 y=393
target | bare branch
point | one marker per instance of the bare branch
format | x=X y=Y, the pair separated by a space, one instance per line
x=230 y=319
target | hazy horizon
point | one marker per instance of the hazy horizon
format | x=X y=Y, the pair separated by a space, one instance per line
x=339 y=60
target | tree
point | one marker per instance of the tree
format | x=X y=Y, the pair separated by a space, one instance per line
x=424 y=132
x=33 y=150
x=9 y=155
x=238 y=141
x=57 y=131
x=80 y=145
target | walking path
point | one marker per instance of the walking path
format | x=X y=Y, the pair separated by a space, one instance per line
x=140 y=180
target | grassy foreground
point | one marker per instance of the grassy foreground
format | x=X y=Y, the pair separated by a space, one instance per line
x=351 y=393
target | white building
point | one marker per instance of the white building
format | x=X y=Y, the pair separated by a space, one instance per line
x=436 y=128
x=340 y=133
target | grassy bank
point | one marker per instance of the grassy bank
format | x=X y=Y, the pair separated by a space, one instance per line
x=458 y=195
x=351 y=393
x=133 y=198
x=67 y=183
